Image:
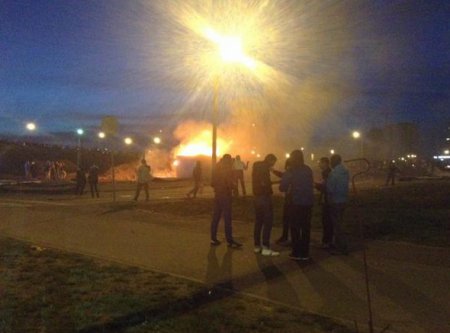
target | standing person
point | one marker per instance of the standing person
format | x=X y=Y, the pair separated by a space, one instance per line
x=27 y=167
x=262 y=191
x=337 y=192
x=299 y=181
x=327 y=233
x=81 y=181
x=197 y=176
x=143 y=177
x=392 y=173
x=284 y=239
x=238 y=172
x=222 y=182
x=93 y=180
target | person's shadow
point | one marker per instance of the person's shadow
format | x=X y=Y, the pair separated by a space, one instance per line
x=219 y=277
x=279 y=288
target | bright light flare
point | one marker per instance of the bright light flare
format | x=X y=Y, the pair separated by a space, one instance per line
x=31 y=126
x=128 y=141
x=157 y=140
x=80 y=131
x=230 y=48
x=101 y=135
x=356 y=135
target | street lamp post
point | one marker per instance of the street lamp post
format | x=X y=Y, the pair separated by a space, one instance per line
x=231 y=51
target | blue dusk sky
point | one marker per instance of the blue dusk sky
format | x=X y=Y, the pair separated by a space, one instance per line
x=66 y=64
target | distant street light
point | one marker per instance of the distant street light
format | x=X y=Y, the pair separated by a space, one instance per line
x=157 y=140
x=356 y=134
x=332 y=151
x=31 y=126
x=446 y=152
x=101 y=135
x=128 y=141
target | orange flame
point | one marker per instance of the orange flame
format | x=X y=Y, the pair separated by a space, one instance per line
x=201 y=145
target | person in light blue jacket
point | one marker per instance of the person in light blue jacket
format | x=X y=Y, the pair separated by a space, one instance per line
x=337 y=194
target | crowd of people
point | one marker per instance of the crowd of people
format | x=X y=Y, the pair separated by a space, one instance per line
x=51 y=170
x=297 y=183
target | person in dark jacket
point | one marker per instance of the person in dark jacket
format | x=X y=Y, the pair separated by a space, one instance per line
x=327 y=225
x=392 y=173
x=299 y=181
x=93 y=180
x=81 y=181
x=222 y=182
x=262 y=191
x=197 y=176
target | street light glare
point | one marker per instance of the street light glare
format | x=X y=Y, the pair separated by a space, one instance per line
x=80 y=131
x=157 y=140
x=101 y=135
x=31 y=126
x=356 y=135
x=230 y=48
x=128 y=141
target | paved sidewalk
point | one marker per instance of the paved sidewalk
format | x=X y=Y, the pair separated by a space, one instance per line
x=409 y=283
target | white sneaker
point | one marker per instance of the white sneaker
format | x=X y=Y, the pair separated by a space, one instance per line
x=269 y=253
x=257 y=249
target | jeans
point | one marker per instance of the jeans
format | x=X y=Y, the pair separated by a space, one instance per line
x=94 y=188
x=327 y=224
x=300 y=230
x=286 y=218
x=337 y=217
x=264 y=219
x=222 y=206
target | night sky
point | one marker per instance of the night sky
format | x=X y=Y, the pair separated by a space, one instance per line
x=66 y=64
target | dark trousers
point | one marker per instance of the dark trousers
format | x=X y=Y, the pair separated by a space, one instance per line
x=286 y=219
x=141 y=186
x=300 y=230
x=193 y=192
x=239 y=178
x=327 y=225
x=80 y=188
x=263 y=219
x=390 y=179
x=337 y=217
x=94 y=189
x=222 y=207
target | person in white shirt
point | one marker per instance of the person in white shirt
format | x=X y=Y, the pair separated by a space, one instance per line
x=238 y=173
x=143 y=177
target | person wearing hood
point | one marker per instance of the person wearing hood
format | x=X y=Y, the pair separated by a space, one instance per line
x=337 y=194
x=298 y=181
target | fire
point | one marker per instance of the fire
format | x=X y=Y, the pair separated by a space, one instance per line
x=201 y=145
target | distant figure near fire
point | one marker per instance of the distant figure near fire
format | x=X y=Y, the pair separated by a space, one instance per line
x=93 y=180
x=222 y=182
x=197 y=176
x=143 y=176
x=392 y=173
x=238 y=173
